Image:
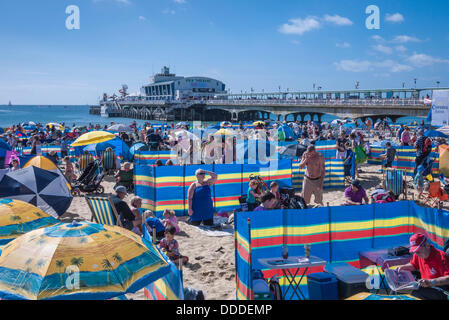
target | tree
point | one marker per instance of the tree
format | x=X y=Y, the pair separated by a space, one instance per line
x=107 y=266
x=60 y=265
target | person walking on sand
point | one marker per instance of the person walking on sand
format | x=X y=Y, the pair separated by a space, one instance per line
x=314 y=175
x=201 y=208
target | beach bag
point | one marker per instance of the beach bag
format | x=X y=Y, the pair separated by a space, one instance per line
x=297 y=202
x=360 y=155
x=382 y=196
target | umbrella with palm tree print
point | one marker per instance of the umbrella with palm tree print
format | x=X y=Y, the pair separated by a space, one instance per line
x=78 y=261
x=19 y=217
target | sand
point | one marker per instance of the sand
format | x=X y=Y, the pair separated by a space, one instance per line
x=211 y=266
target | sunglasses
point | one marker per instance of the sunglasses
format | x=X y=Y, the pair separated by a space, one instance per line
x=202 y=174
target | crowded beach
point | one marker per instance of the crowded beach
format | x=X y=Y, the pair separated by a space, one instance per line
x=136 y=171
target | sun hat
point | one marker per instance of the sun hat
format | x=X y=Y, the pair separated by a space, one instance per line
x=121 y=189
x=416 y=241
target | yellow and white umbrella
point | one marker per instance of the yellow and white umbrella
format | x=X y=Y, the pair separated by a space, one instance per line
x=93 y=137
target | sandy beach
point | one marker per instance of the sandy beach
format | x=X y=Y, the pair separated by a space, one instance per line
x=211 y=266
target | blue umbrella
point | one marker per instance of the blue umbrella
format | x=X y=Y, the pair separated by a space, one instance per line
x=5 y=145
x=98 y=147
x=434 y=134
x=136 y=147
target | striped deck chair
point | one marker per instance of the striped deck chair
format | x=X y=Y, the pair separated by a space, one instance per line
x=394 y=180
x=103 y=210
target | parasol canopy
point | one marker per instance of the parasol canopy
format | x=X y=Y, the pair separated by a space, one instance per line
x=93 y=137
x=78 y=261
x=18 y=217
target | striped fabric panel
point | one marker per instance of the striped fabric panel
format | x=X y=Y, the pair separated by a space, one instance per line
x=337 y=234
x=102 y=210
x=45 y=150
x=108 y=160
x=334 y=174
x=394 y=181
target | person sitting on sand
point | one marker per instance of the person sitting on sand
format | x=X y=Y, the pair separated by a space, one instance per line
x=268 y=202
x=126 y=216
x=274 y=189
x=136 y=204
x=154 y=224
x=355 y=194
x=125 y=177
x=170 y=246
x=170 y=219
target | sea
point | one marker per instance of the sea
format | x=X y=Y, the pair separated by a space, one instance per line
x=79 y=115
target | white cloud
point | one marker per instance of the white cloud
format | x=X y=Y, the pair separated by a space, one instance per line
x=179 y=1
x=300 y=26
x=393 y=66
x=378 y=38
x=395 y=18
x=127 y=2
x=343 y=45
x=338 y=20
x=142 y=18
x=383 y=49
x=405 y=39
x=363 y=66
x=169 y=11
x=401 y=48
x=423 y=60
x=353 y=65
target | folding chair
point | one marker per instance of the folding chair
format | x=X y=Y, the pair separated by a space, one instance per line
x=395 y=180
x=435 y=195
x=103 y=210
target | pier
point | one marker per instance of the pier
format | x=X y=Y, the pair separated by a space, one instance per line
x=290 y=106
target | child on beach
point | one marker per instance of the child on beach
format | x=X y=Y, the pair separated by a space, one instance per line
x=171 y=247
x=136 y=203
x=418 y=181
x=389 y=155
x=252 y=195
x=153 y=223
x=69 y=171
x=170 y=219
x=274 y=189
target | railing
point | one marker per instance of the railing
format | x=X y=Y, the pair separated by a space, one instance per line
x=360 y=102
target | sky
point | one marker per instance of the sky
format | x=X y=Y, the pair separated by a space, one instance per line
x=259 y=44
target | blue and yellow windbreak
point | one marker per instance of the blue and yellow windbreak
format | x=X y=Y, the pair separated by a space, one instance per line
x=336 y=234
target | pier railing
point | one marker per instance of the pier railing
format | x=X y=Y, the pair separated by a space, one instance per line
x=332 y=102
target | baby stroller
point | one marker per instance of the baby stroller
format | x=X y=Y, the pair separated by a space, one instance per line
x=90 y=180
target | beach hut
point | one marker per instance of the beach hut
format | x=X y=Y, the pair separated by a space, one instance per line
x=18 y=217
x=44 y=189
x=78 y=261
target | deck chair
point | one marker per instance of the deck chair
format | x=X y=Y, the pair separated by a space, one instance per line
x=103 y=210
x=395 y=180
x=435 y=195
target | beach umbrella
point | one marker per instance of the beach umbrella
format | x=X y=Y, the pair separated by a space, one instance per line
x=19 y=217
x=98 y=147
x=44 y=189
x=93 y=137
x=109 y=261
x=46 y=164
x=259 y=123
x=285 y=132
x=224 y=132
x=444 y=130
x=5 y=145
x=434 y=134
x=136 y=147
x=336 y=122
x=120 y=128
x=225 y=124
x=293 y=150
x=56 y=125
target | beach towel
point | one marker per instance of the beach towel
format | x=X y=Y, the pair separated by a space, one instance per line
x=227 y=230
x=360 y=154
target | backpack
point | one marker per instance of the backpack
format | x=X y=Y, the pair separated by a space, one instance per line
x=382 y=196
